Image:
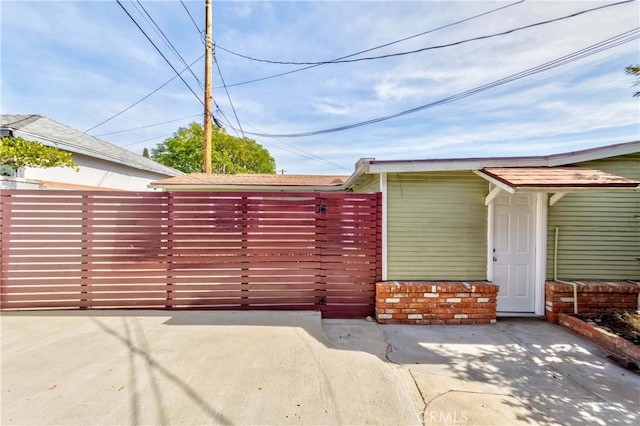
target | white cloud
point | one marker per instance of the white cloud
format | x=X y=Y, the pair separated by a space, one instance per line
x=81 y=62
x=326 y=106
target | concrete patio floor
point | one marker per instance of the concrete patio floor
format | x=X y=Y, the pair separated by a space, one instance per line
x=159 y=367
x=518 y=371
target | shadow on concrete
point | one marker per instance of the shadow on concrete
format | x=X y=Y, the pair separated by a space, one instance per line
x=537 y=372
x=515 y=371
x=138 y=346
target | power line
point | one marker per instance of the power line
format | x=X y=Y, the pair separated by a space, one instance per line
x=376 y=47
x=149 y=139
x=227 y=122
x=609 y=43
x=310 y=156
x=190 y=16
x=228 y=95
x=147 y=126
x=143 y=98
x=306 y=154
x=424 y=49
x=166 y=40
x=159 y=51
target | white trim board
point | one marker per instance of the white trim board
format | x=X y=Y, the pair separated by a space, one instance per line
x=384 y=191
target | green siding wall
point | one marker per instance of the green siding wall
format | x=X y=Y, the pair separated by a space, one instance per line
x=367 y=183
x=437 y=226
x=599 y=232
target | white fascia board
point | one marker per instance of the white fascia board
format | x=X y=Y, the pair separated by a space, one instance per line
x=435 y=165
x=454 y=165
x=595 y=154
x=496 y=182
x=364 y=168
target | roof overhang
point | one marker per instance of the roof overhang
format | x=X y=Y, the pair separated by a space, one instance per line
x=558 y=181
x=453 y=164
x=251 y=182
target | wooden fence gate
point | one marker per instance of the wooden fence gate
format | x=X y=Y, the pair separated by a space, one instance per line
x=187 y=250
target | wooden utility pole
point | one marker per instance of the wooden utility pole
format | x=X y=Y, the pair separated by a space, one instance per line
x=208 y=97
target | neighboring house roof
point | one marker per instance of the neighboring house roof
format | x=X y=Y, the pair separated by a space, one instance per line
x=52 y=133
x=555 y=177
x=253 y=181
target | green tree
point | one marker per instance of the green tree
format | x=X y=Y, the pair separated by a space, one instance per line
x=17 y=153
x=145 y=153
x=184 y=151
x=635 y=71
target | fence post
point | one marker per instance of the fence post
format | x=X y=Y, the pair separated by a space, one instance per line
x=87 y=255
x=244 y=217
x=321 y=243
x=170 y=250
x=5 y=238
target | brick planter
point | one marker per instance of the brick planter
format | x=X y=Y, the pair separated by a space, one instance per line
x=594 y=297
x=609 y=341
x=423 y=302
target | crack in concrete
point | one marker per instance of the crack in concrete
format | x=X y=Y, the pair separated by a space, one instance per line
x=415 y=382
x=388 y=351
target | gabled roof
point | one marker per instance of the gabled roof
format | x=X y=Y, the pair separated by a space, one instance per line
x=52 y=133
x=402 y=166
x=254 y=181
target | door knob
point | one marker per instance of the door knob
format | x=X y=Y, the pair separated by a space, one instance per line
x=495 y=259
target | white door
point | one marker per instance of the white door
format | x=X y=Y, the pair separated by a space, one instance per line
x=514 y=252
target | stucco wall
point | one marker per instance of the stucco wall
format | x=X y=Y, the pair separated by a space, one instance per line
x=97 y=173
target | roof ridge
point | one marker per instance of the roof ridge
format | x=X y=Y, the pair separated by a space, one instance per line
x=28 y=119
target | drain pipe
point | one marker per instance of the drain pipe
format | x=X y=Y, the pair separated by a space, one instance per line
x=555 y=272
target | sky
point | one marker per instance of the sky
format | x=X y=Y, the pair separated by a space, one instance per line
x=82 y=62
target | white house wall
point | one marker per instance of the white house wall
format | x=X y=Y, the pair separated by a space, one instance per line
x=97 y=173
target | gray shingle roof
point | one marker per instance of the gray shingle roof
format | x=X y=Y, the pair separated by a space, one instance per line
x=52 y=133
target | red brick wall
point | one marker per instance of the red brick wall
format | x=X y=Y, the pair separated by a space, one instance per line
x=423 y=302
x=616 y=344
x=593 y=297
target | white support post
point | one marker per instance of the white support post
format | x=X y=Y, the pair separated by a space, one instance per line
x=490 y=211
x=540 y=270
x=383 y=190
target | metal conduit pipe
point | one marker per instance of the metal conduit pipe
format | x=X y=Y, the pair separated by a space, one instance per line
x=555 y=271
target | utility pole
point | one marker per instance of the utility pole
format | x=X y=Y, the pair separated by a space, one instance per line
x=208 y=97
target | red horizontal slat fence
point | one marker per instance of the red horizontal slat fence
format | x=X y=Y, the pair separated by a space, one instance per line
x=182 y=250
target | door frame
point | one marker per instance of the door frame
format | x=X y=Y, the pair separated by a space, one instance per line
x=540 y=246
